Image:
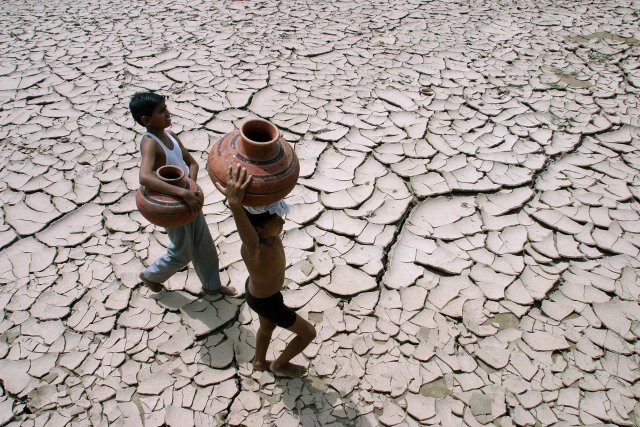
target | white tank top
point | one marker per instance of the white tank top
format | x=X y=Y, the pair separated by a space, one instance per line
x=174 y=156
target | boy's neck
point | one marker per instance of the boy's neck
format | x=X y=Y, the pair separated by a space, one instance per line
x=268 y=240
x=156 y=131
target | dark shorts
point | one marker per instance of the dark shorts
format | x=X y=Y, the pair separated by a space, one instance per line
x=271 y=308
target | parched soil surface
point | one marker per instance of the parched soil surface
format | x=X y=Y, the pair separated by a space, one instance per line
x=465 y=232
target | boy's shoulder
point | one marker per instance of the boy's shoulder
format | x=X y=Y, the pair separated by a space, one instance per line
x=173 y=134
x=149 y=137
x=146 y=139
x=147 y=144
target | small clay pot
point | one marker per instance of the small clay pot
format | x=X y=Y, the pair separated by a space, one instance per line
x=165 y=210
x=257 y=146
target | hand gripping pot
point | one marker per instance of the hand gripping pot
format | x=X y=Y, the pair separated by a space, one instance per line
x=165 y=210
x=257 y=146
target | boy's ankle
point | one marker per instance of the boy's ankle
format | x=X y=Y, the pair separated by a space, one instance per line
x=223 y=290
x=261 y=365
x=276 y=365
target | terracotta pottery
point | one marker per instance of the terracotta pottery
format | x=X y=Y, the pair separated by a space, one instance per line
x=165 y=210
x=257 y=146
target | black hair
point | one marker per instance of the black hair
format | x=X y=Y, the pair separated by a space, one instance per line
x=143 y=104
x=259 y=220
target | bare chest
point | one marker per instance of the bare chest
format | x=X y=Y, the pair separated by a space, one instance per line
x=272 y=255
x=268 y=267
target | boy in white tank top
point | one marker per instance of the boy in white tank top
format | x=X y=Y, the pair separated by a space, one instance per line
x=191 y=242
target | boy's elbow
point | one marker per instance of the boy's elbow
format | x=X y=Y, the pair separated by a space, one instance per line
x=144 y=179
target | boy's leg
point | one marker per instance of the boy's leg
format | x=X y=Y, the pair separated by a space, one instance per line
x=205 y=258
x=178 y=255
x=263 y=338
x=305 y=333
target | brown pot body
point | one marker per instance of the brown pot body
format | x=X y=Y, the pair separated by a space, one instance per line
x=257 y=146
x=165 y=210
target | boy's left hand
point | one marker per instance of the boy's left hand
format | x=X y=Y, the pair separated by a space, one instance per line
x=237 y=182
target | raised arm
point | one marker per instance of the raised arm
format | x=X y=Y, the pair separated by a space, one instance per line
x=237 y=183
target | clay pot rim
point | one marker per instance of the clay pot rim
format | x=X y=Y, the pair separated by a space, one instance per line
x=260 y=120
x=169 y=167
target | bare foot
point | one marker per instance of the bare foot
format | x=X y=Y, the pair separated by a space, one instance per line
x=153 y=286
x=290 y=370
x=227 y=291
x=262 y=366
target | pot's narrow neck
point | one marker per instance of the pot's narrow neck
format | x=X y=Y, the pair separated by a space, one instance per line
x=259 y=139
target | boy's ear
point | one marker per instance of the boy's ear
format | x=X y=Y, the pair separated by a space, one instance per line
x=144 y=120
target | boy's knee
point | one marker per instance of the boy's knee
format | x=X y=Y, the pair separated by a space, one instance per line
x=266 y=329
x=309 y=333
x=178 y=258
x=183 y=262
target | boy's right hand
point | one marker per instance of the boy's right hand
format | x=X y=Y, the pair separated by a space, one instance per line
x=193 y=201
x=237 y=183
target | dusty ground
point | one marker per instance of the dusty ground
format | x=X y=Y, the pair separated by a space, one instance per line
x=465 y=233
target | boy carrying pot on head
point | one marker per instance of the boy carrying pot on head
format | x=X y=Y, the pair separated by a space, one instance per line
x=263 y=253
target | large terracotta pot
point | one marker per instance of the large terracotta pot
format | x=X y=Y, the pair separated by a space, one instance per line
x=165 y=210
x=257 y=146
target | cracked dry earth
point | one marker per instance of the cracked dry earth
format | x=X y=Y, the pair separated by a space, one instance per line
x=464 y=235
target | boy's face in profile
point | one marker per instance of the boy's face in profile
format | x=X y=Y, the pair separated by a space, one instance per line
x=159 y=119
x=272 y=228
